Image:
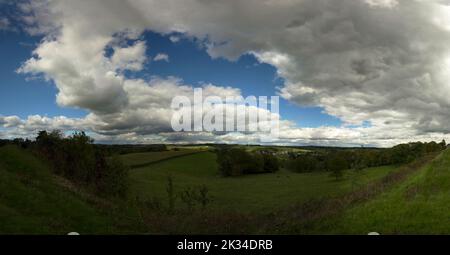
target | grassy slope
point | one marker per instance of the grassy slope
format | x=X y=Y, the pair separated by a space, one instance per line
x=420 y=205
x=32 y=202
x=255 y=193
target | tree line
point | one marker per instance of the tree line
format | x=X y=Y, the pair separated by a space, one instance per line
x=336 y=160
x=237 y=161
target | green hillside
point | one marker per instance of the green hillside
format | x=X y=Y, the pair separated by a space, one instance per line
x=419 y=205
x=34 y=201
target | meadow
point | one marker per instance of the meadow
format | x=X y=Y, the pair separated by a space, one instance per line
x=250 y=193
x=392 y=199
x=418 y=205
x=135 y=160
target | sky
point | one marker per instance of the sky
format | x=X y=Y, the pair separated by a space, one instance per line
x=348 y=72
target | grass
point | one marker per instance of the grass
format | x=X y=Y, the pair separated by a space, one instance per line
x=31 y=201
x=253 y=193
x=419 y=205
x=144 y=158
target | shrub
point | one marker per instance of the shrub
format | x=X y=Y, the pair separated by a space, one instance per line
x=203 y=196
x=191 y=196
x=76 y=158
x=170 y=194
x=187 y=196
x=113 y=179
x=237 y=161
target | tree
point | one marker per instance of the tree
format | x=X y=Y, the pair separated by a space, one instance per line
x=443 y=144
x=271 y=164
x=337 y=173
x=336 y=164
x=305 y=163
x=77 y=159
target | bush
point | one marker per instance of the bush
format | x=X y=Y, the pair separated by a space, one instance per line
x=192 y=196
x=76 y=158
x=203 y=196
x=170 y=194
x=114 y=179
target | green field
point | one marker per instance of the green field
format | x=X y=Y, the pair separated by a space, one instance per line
x=33 y=200
x=255 y=193
x=421 y=204
x=144 y=158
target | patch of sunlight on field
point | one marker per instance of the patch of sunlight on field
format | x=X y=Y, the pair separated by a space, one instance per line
x=254 y=193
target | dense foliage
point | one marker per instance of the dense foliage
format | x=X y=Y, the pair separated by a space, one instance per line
x=24 y=143
x=336 y=160
x=237 y=161
x=77 y=159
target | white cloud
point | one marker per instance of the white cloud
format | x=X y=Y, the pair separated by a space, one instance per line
x=382 y=3
x=10 y=121
x=174 y=39
x=129 y=58
x=161 y=57
x=383 y=61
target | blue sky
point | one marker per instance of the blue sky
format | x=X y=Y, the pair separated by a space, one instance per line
x=382 y=66
x=19 y=94
x=24 y=96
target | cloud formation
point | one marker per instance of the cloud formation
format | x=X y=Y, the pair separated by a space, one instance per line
x=386 y=62
x=161 y=57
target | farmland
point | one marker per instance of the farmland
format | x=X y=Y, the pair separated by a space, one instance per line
x=247 y=193
x=181 y=190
